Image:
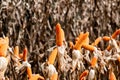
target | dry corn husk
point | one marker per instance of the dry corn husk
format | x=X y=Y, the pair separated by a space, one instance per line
x=76 y=60
x=48 y=70
x=3 y=66
x=91 y=75
x=63 y=59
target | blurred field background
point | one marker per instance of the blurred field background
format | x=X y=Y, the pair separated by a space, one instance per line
x=31 y=23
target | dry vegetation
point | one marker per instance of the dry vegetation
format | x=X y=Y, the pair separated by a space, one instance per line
x=31 y=24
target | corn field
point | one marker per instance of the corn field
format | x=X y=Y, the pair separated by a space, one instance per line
x=78 y=30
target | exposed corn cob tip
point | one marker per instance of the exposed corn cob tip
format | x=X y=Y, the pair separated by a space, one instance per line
x=4 y=44
x=24 y=63
x=16 y=51
x=82 y=39
x=112 y=76
x=93 y=62
x=88 y=47
x=84 y=74
x=25 y=52
x=86 y=41
x=59 y=35
x=106 y=38
x=52 y=56
x=114 y=35
x=29 y=72
x=117 y=32
x=36 y=77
